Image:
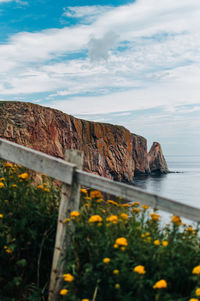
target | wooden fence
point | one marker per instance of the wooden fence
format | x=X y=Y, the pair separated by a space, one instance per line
x=72 y=176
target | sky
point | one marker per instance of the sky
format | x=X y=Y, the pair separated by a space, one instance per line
x=132 y=63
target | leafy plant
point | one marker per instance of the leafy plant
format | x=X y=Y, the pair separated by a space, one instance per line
x=27 y=229
x=117 y=252
x=120 y=252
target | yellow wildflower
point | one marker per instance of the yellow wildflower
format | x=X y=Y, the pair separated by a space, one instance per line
x=64 y=292
x=196 y=270
x=117 y=285
x=95 y=194
x=135 y=204
x=74 y=214
x=140 y=269
x=68 y=277
x=23 y=176
x=47 y=189
x=85 y=300
x=165 y=243
x=9 y=251
x=124 y=216
x=40 y=187
x=13 y=169
x=14 y=185
x=145 y=207
x=1 y=215
x=123 y=248
x=112 y=219
x=136 y=210
x=66 y=220
x=197 y=292
x=125 y=205
x=160 y=284
x=2 y=185
x=194 y=299
x=112 y=202
x=106 y=260
x=8 y=164
x=100 y=201
x=190 y=230
x=2 y=179
x=155 y=217
x=176 y=220
x=95 y=219
x=156 y=242
x=115 y=272
x=115 y=246
x=84 y=191
x=121 y=241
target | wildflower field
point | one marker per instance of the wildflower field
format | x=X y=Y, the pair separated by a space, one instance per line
x=118 y=251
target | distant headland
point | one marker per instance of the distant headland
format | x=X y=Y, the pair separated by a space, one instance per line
x=110 y=151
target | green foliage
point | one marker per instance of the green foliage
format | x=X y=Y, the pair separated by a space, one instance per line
x=27 y=231
x=117 y=251
x=103 y=269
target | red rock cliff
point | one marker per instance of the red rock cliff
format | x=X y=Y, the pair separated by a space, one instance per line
x=109 y=150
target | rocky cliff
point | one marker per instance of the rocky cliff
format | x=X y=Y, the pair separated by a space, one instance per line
x=109 y=150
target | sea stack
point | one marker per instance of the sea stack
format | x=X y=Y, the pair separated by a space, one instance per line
x=156 y=160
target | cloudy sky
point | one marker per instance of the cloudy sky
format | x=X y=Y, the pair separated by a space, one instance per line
x=133 y=63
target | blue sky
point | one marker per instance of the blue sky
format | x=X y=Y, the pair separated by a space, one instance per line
x=133 y=63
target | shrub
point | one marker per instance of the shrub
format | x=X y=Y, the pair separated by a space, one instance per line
x=28 y=216
x=120 y=252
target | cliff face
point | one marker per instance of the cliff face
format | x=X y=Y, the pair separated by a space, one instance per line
x=139 y=152
x=109 y=150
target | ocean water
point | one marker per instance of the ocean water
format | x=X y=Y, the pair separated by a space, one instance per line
x=182 y=185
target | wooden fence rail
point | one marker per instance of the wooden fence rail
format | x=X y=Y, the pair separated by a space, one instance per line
x=72 y=177
x=64 y=171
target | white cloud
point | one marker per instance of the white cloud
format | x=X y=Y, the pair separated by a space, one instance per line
x=98 y=48
x=17 y=1
x=87 y=13
x=161 y=95
x=162 y=56
x=150 y=53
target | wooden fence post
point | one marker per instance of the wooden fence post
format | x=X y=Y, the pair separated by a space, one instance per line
x=70 y=197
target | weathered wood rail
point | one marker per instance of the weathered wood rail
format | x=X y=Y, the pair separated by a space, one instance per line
x=72 y=177
x=67 y=172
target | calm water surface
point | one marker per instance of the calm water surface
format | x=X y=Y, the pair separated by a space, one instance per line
x=183 y=186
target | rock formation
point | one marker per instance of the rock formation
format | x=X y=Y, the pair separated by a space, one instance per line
x=109 y=150
x=156 y=160
x=139 y=152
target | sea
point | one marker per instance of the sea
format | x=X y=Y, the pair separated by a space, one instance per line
x=181 y=184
